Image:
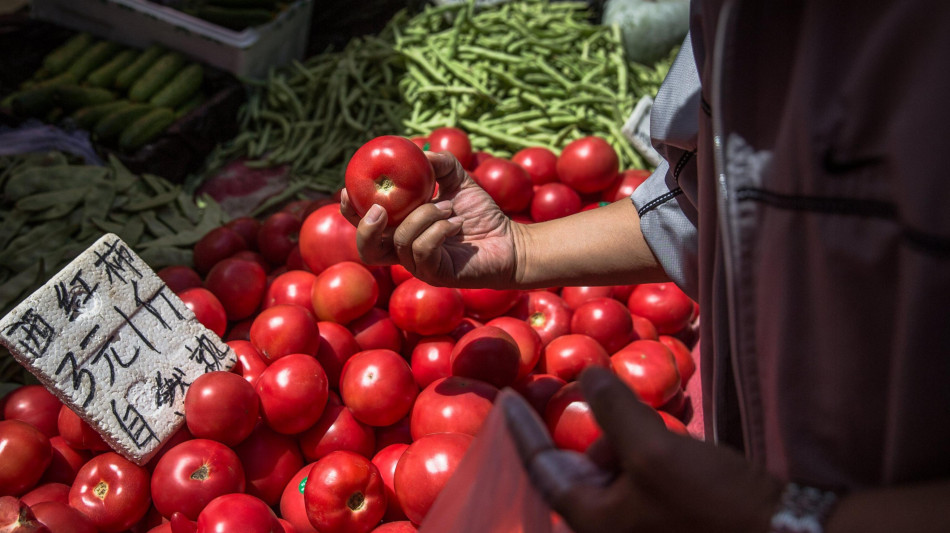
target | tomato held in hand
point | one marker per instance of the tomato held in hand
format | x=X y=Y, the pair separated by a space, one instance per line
x=390 y=171
x=25 y=453
x=112 y=492
x=344 y=494
x=424 y=469
x=192 y=474
x=588 y=165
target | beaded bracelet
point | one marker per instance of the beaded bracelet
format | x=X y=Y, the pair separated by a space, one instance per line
x=802 y=510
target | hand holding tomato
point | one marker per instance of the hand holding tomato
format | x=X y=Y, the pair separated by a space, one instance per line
x=639 y=476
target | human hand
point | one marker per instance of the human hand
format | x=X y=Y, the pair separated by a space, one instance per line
x=640 y=477
x=461 y=239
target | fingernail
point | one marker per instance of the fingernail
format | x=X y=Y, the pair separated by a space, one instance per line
x=375 y=212
x=444 y=205
x=455 y=220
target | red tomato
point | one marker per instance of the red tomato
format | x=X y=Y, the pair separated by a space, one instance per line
x=574 y=297
x=431 y=359
x=65 y=462
x=674 y=424
x=192 y=474
x=568 y=355
x=570 y=420
x=285 y=329
x=467 y=324
x=337 y=345
x=539 y=162
x=480 y=157
x=217 y=245
x=622 y=292
x=278 y=235
x=421 y=142
x=253 y=257
x=25 y=452
x=423 y=470
x=605 y=320
x=399 y=274
x=292 y=288
x=399 y=526
x=207 y=308
x=545 y=312
x=624 y=187
x=293 y=393
x=62 y=518
x=294 y=262
x=240 y=331
x=292 y=507
x=507 y=183
x=343 y=292
x=421 y=308
x=676 y=406
x=376 y=331
x=35 y=405
x=454 y=141
x=47 y=492
x=344 y=494
x=644 y=329
x=385 y=283
x=77 y=433
x=378 y=387
x=112 y=492
x=588 y=165
x=390 y=171
x=488 y=354
x=17 y=517
x=485 y=304
x=337 y=429
x=538 y=389
x=386 y=460
x=176 y=438
x=527 y=339
x=270 y=460
x=327 y=238
x=554 y=200
x=649 y=368
x=240 y=286
x=221 y=406
x=247 y=228
x=454 y=405
x=250 y=361
x=179 y=277
x=398 y=433
x=663 y=304
x=684 y=358
x=238 y=512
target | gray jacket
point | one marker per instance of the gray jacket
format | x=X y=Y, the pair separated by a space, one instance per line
x=804 y=206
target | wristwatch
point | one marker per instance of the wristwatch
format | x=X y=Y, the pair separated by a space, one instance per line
x=802 y=509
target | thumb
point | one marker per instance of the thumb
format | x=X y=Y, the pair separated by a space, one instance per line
x=448 y=173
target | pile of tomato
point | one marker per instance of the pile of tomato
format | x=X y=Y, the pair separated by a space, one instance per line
x=358 y=389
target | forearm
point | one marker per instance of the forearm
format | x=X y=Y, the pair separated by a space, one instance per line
x=919 y=508
x=602 y=246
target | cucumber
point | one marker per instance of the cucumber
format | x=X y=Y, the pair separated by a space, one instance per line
x=57 y=61
x=94 y=57
x=87 y=117
x=193 y=103
x=186 y=83
x=33 y=102
x=235 y=19
x=105 y=75
x=73 y=96
x=115 y=122
x=146 y=128
x=66 y=78
x=156 y=77
x=136 y=68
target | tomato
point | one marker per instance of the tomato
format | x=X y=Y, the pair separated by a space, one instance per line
x=431 y=359
x=62 y=518
x=254 y=257
x=337 y=345
x=179 y=277
x=399 y=526
x=539 y=162
x=574 y=297
x=77 y=433
x=238 y=512
x=467 y=324
x=285 y=329
x=337 y=429
x=378 y=387
x=17 y=517
x=294 y=261
x=676 y=405
x=216 y=245
x=488 y=354
x=622 y=292
x=247 y=228
x=554 y=200
x=568 y=355
x=649 y=368
x=527 y=339
x=25 y=452
x=398 y=433
x=386 y=460
x=390 y=171
x=624 y=187
x=545 y=312
x=111 y=491
x=663 y=304
x=65 y=462
x=454 y=141
x=270 y=460
x=570 y=420
x=485 y=304
x=175 y=439
x=507 y=183
x=588 y=165
x=421 y=142
x=423 y=470
x=344 y=494
x=343 y=292
x=35 y=405
x=221 y=406
x=421 y=308
x=453 y=404
x=192 y=474
x=674 y=424
x=240 y=331
x=250 y=361
x=206 y=307
x=538 y=389
x=47 y=492
x=292 y=506
x=376 y=331
x=645 y=330
x=327 y=238
x=684 y=358
x=293 y=392
x=278 y=235
x=385 y=283
x=240 y=286
x=605 y=320
x=399 y=273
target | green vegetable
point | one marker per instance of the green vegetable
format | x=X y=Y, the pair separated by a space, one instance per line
x=57 y=61
x=92 y=58
x=146 y=128
x=185 y=84
x=88 y=116
x=105 y=75
x=118 y=120
x=75 y=97
x=156 y=77
x=128 y=75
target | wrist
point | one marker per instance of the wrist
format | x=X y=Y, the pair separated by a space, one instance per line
x=802 y=509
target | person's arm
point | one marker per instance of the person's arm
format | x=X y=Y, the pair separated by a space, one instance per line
x=918 y=507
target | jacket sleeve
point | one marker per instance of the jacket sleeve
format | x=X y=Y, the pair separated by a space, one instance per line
x=666 y=202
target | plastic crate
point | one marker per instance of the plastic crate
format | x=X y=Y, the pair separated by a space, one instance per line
x=251 y=52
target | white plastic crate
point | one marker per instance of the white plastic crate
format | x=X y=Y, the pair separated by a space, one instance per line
x=139 y=23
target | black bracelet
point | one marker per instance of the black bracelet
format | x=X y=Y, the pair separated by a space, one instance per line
x=802 y=510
